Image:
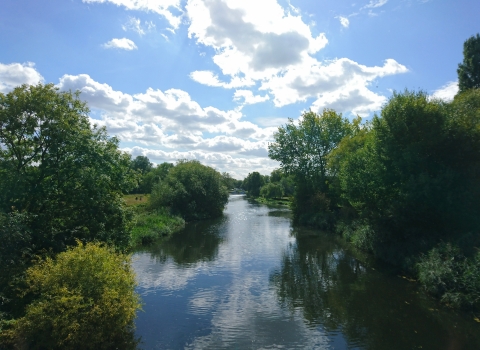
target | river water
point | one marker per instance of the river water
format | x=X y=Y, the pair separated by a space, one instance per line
x=251 y=280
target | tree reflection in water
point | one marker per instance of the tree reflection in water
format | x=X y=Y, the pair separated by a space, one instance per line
x=339 y=293
x=188 y=246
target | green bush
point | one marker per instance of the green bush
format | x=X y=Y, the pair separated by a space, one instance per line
x=447 y=274
x=191 y=190
x=150 y=226
x=271 y=190
x=85 y=299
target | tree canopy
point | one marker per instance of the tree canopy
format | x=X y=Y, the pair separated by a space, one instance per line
x=192 y=190
x=469 y=70
x=64 y=175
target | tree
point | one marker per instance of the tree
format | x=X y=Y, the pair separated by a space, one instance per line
x=252 y=183
x=413 y=177
x=142 y=164
x=86 y=300
x=148 y=180
x=302 y=151
x=66 y=175
x=192 y=190
x=469 y=70
x=271 y=190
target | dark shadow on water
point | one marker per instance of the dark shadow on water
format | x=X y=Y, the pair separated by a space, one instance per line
x=198 y=241
x=373 y=310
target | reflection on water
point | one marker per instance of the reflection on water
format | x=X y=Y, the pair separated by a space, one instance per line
x=250 y=281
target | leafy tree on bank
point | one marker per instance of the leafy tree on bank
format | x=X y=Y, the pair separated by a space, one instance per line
x=412 y=178
x=271 y=190
x=469 y=70
x=60 y=180
x=302 y=151
x=152 y=177
x=191 y=190
x=67 y=176
x=253 y=183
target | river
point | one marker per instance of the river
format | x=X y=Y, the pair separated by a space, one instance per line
x=251 y=280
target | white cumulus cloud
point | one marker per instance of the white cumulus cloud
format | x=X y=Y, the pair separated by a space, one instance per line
x=447 y=92
x=248 y=97
x=15 y=74
x=176 y=126
x=266 y=44
x=123 y=43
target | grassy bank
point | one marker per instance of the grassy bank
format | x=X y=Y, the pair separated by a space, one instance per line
x=151 y=225
x=274 y=201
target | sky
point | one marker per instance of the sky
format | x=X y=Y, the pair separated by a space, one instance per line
x=212 y=80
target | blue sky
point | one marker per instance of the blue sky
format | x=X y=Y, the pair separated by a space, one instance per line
x=213 y=79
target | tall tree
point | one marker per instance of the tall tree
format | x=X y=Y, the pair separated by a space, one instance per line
x=469 y=70
x=253 y=182
x=66 y=176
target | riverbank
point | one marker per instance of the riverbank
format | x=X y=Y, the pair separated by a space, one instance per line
x=285 y=201
x=150 y=225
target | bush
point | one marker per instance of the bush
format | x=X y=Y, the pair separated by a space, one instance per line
x=271 y=190
x=85 y=300
x=191 y=190
x=150 y=226
x=447 y=274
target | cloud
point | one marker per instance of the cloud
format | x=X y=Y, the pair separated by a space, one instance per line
x=16 y=74
x=124 y=44
x=341 y=84
x=343 y=21
x=176 y=126
x=253 y=39
x=374 y=4
x=447 y=92
x=135 y=24
x=248 y=97
x=210 y=79
x=165 y=8
x=266 y=45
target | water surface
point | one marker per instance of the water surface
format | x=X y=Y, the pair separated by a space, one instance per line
x=250 y=280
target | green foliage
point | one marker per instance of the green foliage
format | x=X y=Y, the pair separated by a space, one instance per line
x=469 y=70
x=303 y=153
x=411 y=177
x=152 y=177
x=271 y=190
x=447 y=274
x=191 y=190
x=142 y=164
x=150 y=226
x=54 y=166
x=302 y=150
x=229 y=182
x=86 y=300
x=253 y=183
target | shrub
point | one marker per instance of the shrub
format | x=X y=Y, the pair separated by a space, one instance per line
x=271 y=190
x=150 y=226
x=85 y=300
x=192 y=190
x=446 y=273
